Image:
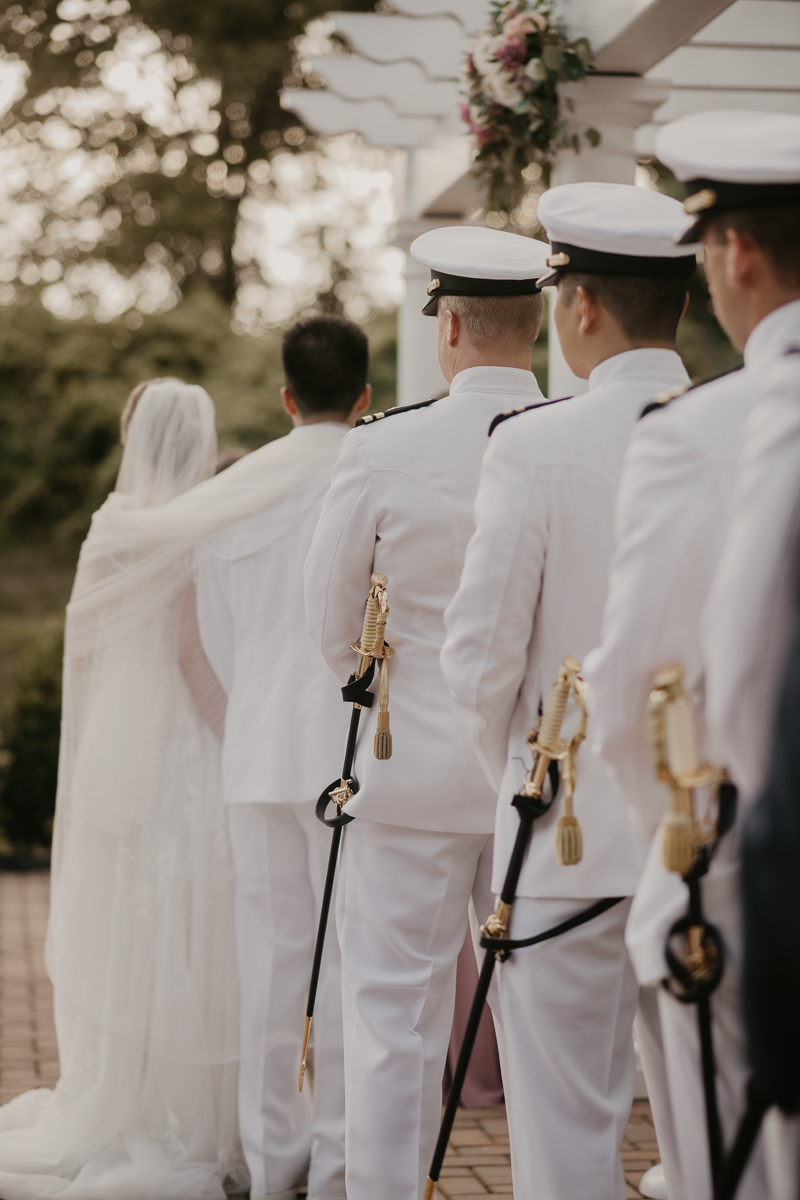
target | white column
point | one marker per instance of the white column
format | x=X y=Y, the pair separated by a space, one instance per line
x=419 y=376
x=615 y=106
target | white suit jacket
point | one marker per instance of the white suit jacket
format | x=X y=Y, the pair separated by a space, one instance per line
x=672 y=512
x=753 y=602
x=532 y=591
x=286 y=724
x=401 y=502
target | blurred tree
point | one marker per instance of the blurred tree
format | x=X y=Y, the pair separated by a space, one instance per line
x=29 y=751
x=176 y=104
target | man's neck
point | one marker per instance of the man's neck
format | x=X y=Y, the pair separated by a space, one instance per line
x=469 y=358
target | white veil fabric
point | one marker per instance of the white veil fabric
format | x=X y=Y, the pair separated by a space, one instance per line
x=140 y=944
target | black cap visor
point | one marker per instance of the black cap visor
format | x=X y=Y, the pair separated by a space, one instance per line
x=463 y=285
x=707 y=198
x=598 y=262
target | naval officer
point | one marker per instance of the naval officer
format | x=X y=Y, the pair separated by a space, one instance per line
x=401 y=503
x=532 y=590
x=671 y=520
x=753 y=247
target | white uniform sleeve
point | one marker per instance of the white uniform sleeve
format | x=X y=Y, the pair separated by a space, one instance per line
x=489 y=622
x=657 y=584
x=749 y=616
x=339 y=564
x=215 y=619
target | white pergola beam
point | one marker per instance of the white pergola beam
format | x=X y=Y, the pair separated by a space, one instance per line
x=473 y=14
x=631 y=36
x=729 y=67
x=754 y=23
x=377 y=123
x=438 y=44
x=404 y=84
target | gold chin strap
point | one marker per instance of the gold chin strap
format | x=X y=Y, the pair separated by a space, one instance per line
x=673 y=743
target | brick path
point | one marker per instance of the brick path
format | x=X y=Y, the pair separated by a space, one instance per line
x=477 y=1162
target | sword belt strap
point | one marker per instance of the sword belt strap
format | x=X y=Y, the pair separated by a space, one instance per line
x=508 y=944
x=355 y=690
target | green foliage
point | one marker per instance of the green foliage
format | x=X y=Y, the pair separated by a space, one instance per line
x=63 y=386
x=29 y=743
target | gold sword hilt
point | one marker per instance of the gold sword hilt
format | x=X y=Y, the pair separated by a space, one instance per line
x=304 y=1055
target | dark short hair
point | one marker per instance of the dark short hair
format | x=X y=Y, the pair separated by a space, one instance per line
x=325 y=361
x=775 y=230
x=645 y=309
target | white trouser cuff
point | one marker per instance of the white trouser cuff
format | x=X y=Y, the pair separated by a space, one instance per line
x=290 y=1195
x=327 y=1198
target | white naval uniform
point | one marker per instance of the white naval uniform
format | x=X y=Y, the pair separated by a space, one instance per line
x=401 y=502
x=532 y=591
x=752 y=607
x=285 y=730
x=671 y=518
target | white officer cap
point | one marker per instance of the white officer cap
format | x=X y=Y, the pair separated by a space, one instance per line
x=733 y=161
x=470 y=260
x=614 y=229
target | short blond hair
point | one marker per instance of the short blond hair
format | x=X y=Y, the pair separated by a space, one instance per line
x=489 y=321
x=135 y=397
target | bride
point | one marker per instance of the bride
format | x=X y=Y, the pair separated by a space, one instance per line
x=140 y=944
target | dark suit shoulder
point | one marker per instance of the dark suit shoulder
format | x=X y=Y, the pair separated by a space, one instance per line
x=372 y=418
x=514 y=412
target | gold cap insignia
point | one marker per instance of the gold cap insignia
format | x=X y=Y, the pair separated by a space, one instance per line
x=433 y=285
x=558 y=260
x=700 y=201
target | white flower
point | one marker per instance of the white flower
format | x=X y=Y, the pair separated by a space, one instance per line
x=502 y=87
x=483 y=52
x=535 y=70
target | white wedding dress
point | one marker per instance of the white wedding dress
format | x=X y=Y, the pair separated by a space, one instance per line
x=140 y=944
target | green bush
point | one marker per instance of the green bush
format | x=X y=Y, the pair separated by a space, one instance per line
x=29 y=741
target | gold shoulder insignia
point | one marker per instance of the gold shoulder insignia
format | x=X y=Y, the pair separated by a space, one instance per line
x=514 y=412
x=664 y=398
x=392 y=412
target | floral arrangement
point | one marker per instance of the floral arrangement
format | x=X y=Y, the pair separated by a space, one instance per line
x=510 y=84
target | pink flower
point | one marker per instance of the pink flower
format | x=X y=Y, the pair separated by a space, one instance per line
x=512 y=54
x=521 y=24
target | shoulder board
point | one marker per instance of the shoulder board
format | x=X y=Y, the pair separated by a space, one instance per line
x=665 y=398
x=392 y=412
x=514 y=412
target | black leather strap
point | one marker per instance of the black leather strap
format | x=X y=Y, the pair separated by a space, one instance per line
x=508 y=944
x=355 y=690
x=325 y=800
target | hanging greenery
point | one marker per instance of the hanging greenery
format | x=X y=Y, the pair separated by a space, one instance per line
x=511 y=102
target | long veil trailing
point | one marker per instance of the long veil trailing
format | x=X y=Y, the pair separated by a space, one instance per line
x=140 y=945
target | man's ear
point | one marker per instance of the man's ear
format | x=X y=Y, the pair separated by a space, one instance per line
x=741 y=258
x=364 y=400
x=289 y=403
x=587 y=310
x=685 y=306
x=453 y=327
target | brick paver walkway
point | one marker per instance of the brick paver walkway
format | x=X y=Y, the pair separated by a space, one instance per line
x=477 y=1163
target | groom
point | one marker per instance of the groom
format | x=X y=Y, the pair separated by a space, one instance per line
x=285 y=730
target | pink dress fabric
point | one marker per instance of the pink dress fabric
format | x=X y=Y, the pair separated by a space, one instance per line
x=483 y=1086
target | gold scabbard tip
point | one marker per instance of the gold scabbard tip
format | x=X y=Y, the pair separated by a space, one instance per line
x=304 y=1055
x=668 y=676
x=430 y=1190
x=379 y=580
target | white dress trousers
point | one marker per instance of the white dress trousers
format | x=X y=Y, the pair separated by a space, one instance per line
x=281 y=852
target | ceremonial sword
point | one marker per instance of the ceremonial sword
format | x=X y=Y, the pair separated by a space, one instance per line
x=548 y=750
x=371 y=649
